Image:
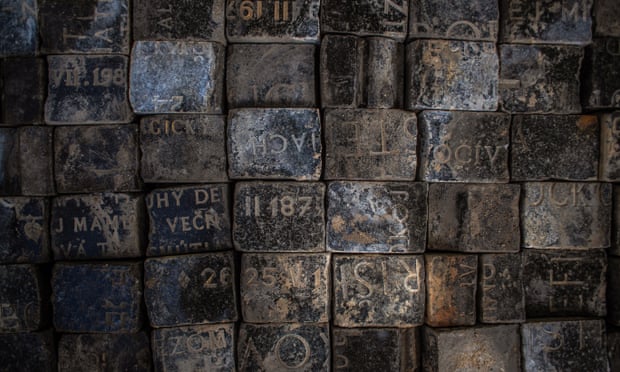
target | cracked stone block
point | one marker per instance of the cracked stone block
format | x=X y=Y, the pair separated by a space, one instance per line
x=23 y=94
x=24 y=230
x=32 y=351
x=601 y=80
x=613 y=290
x=36 y=160
x=606 y=14
x=19 y=27
x=609 y=165
x=501 y=296
x=24 y=305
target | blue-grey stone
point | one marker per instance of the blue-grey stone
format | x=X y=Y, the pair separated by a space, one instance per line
x=19 y=28
x=24 y=230
x=24 y=293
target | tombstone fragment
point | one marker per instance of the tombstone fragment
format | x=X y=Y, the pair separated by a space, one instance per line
x=28 y=351
x=9 y=168
x=19 y=28
x=615 y=228
x=23 y=95
x=23 y=298
x=606 y=14
x=609 y=165
x=36 y=160
x=601 y=79
x=24 y=230
x=500 y=289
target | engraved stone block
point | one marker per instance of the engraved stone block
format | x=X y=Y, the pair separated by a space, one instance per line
x=36 y=160
x=188 y=219
x=285 y=288
x=565 y=215
x=606 y=14
x=183 y=148
x=601 y=78
x=382 y=217
x=464 y=146
x=615 y=228
x=23 y=94
x=451 y=289
x=9 y=168
x=87 y=90
x=96 y=298
x=378 y=290
x=279 y=217
x=177 y=77
x=23 y=298
x=28 y=351
x=190 y=289
x=24 y=230
x=473 y=218
x=274 y=143
x=259 y=75
x=613 y=349
x=613 y=290
x=609 y=165
x=19 y=28
x=500 y=289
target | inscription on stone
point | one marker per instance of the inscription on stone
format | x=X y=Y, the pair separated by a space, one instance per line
x=609 y=166
x=23 y=94
x=19 y=28
x=36 y=160
x=500 y=289
x=601 y=79
x=33 y=351
x=23 y=299
x=606 y=14
x=24 y=230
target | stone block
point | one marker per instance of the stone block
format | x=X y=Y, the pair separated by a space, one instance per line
x=464 y=146
x=380 y=217
x=9 y=166
x=36 y=160
x=190 y=289
x=274 y=143
x=177 y=77
x=451 y=281
x=500 y=289
x=259 y=75
x=19 y=27
x=85 y=89
x=283 y=347
x=370 y=144
x=279 y=217
x=613 y=290
x=183 y=148
x=609 y=165
x=188 y=219
x=97 y=298
x=261 y=21
x=285 y=288
x=566 y=215
x=600 y=78
x=606 y=14
x=378 y=290
x=540 y=79
x=615 y=228
x=23 y=94
x=28 y=351
x=96 y=159
x=613 y=349
x=24 y=305
x=24 y=230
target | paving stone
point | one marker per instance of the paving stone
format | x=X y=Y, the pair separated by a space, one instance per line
x=566 y=215
x=613 y=290
x=28 y=351
x=381 y=217
x=36 y=160
x=23 y=94
x=283 y=347
x=609 y=166
x=97 y=298
x=615 y=228
x=370 y=144
x=279 y=217
x=500 y=289
x=190 y=289
x=24 y=230
x=285 y=288
x=464 y=146
x=9 y=166
x=613 y=349
x=23 y=298
x=177 y=77
x=188 y=219
x=606 y=14
x=19 y=28
x=600 y=78
x=259 y=75
x=86 y=89
x=540 y=78
x=283 y=143
x=183 y=148
x=451 y=75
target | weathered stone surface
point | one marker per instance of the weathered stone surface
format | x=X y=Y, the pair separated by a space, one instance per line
x=19 y=28
x=473 y=218
x=194 y=348
x=283 y=347
x=28 y=351
x=97 y=158
x=370 y=144
x=261 y=21
x=563 y=147
x=23 y=94
x=540 y=78
x=613 y=290
x=488 y=348
x=274 y=143
x=188 y=219
x=9 y=166
x=190 y=289
x=382 y=217
x=451 y=281
x=95 y=298
x=24 y=230
x=285 y=288
x=500 y=289
x=565 y=215
x=87 y=90
x=606 y=14
x=23 y=298
x=183 y=148
x=177 y=77
x=97 y=226
x=613 y=349
x=609 y=165
x=36 y=160
x=615 y=228
x=464 y=146
x=279 y=217
x=259 y=75
x=378 y=290
x=601 y=80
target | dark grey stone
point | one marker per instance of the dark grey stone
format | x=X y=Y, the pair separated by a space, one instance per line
x=600 y=77
x=615 y=228
x=500 y=289
x=26 y=352
x=609 y=166
x=613 y=290
x=613 y=349
x=19 y=27
x=9 y=165
x=24 y=230
x=36 y=160
x=23 y=95
x=24 y=305
x=606 y=15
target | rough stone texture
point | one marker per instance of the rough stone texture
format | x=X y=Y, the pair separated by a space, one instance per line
x=98 y=158
x=261 y=21
x=28 y=351
x=24 y=305
x=24 y=230
x=500 y=289
x=600 y=78
x=286 y=288
x=566 y=215
x=9 y=166
x=369 y=144
x=609 y=165
x=561 y=147
x=540 y=78
x=194 y=348
x=183 y=148
x=613 y=291
x=97 y=298
x=279 y=217
x=282 y=143
x=259 y=75
x=606 y=14
x=36 y=160
x=381 y=217
x=473 y=218
x=23 y=95
x=615 y=228
x=464 y=146
x=451 y=281
x=177 y=77
x=613 y=349
x=283 y=347
x=86 y=89
x=19 y=28
x=190 y=289
x=97 y=226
